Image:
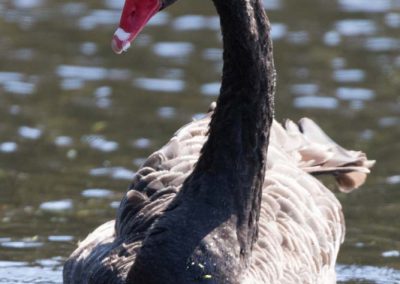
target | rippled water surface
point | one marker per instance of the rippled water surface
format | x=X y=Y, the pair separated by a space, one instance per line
x=76 y=121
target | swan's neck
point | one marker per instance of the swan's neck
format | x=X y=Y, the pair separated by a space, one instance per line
x=210 y=227
x=239 y=130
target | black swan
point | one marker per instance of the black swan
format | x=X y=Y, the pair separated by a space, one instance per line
x=199 y=210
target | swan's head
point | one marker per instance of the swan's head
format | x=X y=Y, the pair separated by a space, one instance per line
x=135 y=15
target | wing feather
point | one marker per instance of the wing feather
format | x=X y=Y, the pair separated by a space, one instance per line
x=301 y=224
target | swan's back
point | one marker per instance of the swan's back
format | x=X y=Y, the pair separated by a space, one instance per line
x=300 y=228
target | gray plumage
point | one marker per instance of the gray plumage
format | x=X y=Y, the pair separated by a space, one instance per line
x=213 y=205
x=301 y=225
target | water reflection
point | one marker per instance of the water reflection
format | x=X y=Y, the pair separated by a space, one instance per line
x=166 y=112
x=142 y=143
x=97 y=193
x=349 y=75
x=63 y=141
x=357 y=27
x=375 y=6
x=23 y=244
x=393 y=180
x=317 y=102
x=57 y=206
x=160 y=85
x=29 y=132
x=367 y=274
x=358 y=94
x=173 y=49
x=211 y=89
x=195 y=22
x=305 y=89
x=60 y=238
x=8 y=147
x=393 y=20
x=391 y=253
x=100 y=143
x=113 y=172
x=31 y=274
x=63 y=169
x=379 y=44
x=97 y=18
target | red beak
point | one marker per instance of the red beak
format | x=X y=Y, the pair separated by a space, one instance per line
x=135 y=15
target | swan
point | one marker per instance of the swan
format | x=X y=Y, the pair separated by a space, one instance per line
x=213 y=205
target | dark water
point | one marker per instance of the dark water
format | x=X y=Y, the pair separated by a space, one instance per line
x=76 y=120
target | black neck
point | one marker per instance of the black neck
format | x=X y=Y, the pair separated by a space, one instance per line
x=220 y=202
x=245 y=106
x=239 y=129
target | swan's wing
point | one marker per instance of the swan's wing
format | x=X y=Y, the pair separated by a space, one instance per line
x=316 y=153
x=305 y=146
x=84 y=262
x=301 y=224
x=300 y=229
x=108 y=253
x=160 y=178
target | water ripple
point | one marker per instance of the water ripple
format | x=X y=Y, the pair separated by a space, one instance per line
x=160 y=85
x=98 y=142
x=381 y=275
x=21 y=244
x=278 y=31
x=88 y=48
x=391 y=253
x=58 y=239
x=71 y=84
x=97 y=193
x=356 y=27
x=316 y=102
x=30 y=132
x=99 y=17
x=8 y=147
x=11 y=273
x=166 y=112
x=74 y=76
x=173 y=49
x=27 y=4
x=299 y=37
x=393 y=20
x=375 y=6
x=349 y=75
x=213 y=54
x=73 y=9
x=57 y=205
x=19 y=88
x=393 y=179
x=113 y=172
x=10 y=76
x=63 y=141
x=272 y=4
x=361 y=94
x=305 y=89
x=192 y=22
x=380 y=44
x=211 y=89
x=159 y=19
x=142 y=143
x=114 y=4
x=332 y=38
x=82 y=72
